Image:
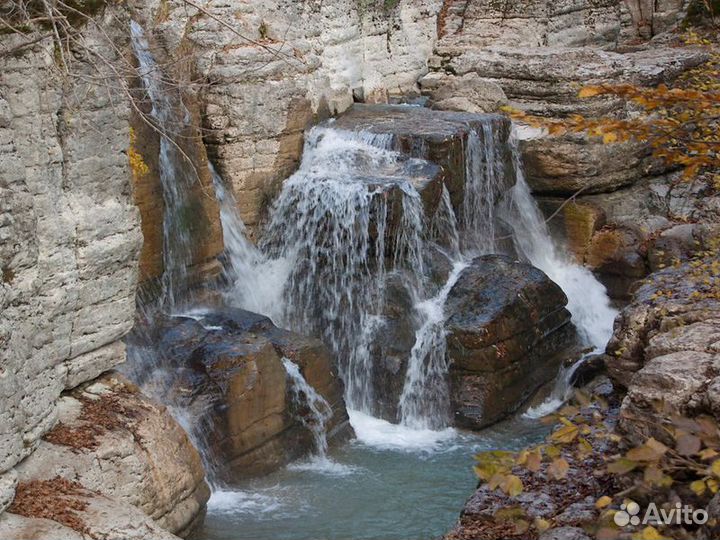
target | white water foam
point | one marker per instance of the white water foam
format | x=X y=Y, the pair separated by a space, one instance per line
x=425 y=399
x=588 y=301
x=382 y=435
x=257 y=281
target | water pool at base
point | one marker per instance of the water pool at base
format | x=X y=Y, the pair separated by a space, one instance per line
x=390 y=483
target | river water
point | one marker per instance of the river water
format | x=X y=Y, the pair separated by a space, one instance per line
x=391 y=483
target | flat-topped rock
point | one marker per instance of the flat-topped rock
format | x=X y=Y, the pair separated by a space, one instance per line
x=441 y=137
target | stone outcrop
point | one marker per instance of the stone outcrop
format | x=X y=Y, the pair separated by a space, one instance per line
x=114 y=441
x=62 y=510
x=440 y=137
x=539 y=53
x=69 y=236
x=665 y=350
x=225 y=368
x=508 y=333
x=566 y=506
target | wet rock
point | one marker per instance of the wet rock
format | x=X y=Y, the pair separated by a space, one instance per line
x=392 y=349
x=439 y=137
x=572 y=223
x=616 y=256
x=508 y=332
x=228 y=371
x=116 y=442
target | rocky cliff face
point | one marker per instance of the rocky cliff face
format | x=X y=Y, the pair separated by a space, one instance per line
x=70 y=238
x=538 y=54
x=265 y=70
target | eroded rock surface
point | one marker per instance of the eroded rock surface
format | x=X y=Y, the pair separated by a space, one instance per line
x=69 y=234
x=666 y=348
x=114 y=441
x=225 y=368
x=508 y=332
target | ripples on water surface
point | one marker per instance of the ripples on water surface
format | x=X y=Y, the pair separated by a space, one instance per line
x=391 y=483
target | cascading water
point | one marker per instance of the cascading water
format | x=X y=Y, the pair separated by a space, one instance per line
x=256 y=281
x=176 y=172
x=332 y=221
x=319 y=410
x=425 y=400
x=349 y=218
x=588 y=301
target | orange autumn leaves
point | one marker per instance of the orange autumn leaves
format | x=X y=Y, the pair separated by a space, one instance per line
x=681 y=125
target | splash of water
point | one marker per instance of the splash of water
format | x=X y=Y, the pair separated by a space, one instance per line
x=425 y=399
x=256 y=281
x=319 y=410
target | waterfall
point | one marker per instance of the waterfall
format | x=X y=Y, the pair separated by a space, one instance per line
x=588 y=301
x=425 y=400
x=335 y=221
x=256 y=281
x=484 y=173
x=351 y=216
x=176 y=171
x=319 y=410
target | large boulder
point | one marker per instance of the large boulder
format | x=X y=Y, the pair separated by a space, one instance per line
x=121 y=445
x=225 y=368
x=508 y=331
x=440 y=137
x=665 y=350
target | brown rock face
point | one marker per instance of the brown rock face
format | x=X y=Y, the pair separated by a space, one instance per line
x=118 y=443
x=508 y=332
x=205 y=226
x=229 y=374
x=440 y=137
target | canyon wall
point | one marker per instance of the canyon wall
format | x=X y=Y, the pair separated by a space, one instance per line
x=266 y=70
x=70 y=237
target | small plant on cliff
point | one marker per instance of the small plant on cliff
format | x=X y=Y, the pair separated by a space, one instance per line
x=137 y=164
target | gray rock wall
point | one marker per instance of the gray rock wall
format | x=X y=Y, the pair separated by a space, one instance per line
x=306 y=59
x=69 y=237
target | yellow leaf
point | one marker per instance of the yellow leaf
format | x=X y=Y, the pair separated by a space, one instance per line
x=558 y=469
x=713 y=485
x=648 y=533
x=565 y=434
x=512 y=485
x=698 y=487
x=609 y=138
x=552 y=451
x=622 y=466
x=602 y=502
x=715 y=468
x=542 y=525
